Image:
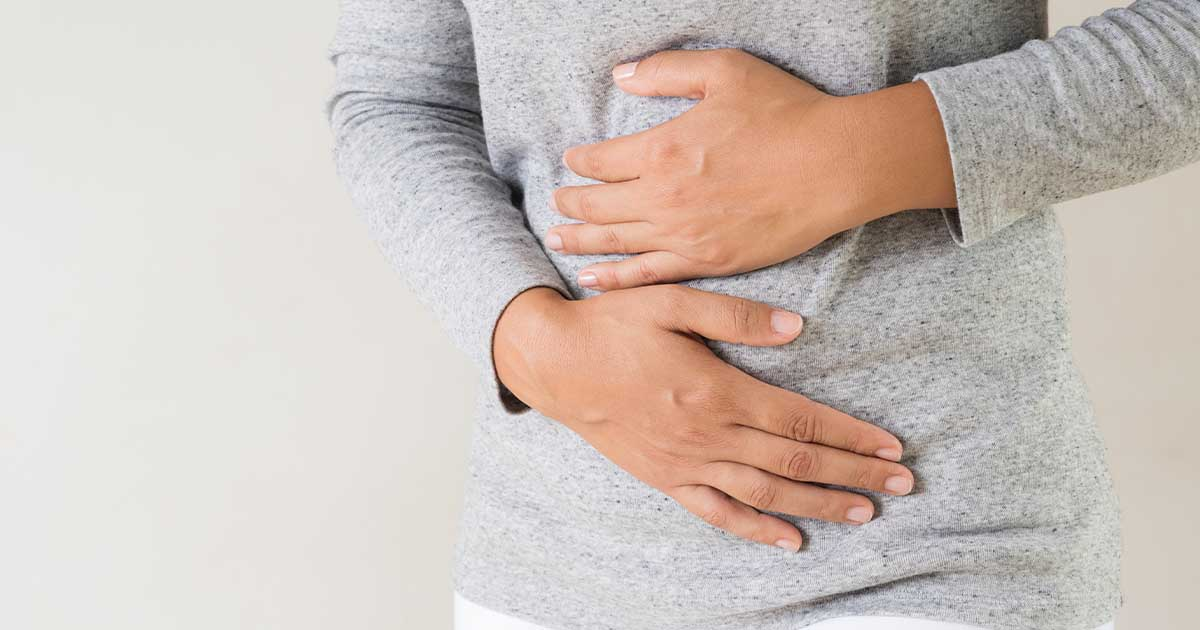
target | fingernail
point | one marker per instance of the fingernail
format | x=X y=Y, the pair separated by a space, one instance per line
x=554 y=241
x=790 y=545
x=785 y=323
x=624 y=71
x=859 y=514
x=552 y=203
x=588 y=279
x=898 y=484
x=890 y=454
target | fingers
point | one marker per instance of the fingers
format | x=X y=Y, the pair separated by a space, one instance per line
x=765 y=491
x=687 y=73
x=726 y=318
x=614 y=238
x=723 y=512
x=821 y=464
x=601 y=203
x=615 y=160
x=790 y=415
x=658 y=267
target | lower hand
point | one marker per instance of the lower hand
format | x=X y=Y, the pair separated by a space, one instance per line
x=630 y=373
x=762 y=169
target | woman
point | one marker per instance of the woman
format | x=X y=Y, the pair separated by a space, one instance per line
x=923 y=455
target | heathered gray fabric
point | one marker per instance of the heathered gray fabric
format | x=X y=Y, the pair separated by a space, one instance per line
x=960 y=349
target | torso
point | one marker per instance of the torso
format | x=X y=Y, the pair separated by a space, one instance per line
x=962 y=353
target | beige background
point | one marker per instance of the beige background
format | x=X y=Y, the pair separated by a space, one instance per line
x=220 y=409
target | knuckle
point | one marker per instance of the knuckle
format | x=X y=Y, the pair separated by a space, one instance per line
x=762 y=495
x=706 y=396
x=716 y=257
x=721 y=61
x=716 y=516
x=655 y=65
x=728 y=63
x=742 y=316
x=800 y=463
x=854 y=442
x=662 y=149
x=584 y=205
x=699 y=163
x=800 y=424
x=612 y=241
x=864 y=475
x=726 y=56
x=645 y=272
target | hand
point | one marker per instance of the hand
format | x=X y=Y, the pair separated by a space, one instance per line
x=630 y=373
x=762 y=169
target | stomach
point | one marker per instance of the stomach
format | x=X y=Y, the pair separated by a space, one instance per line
x=961 y=353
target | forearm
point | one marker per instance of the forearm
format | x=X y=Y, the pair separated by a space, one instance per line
x=902 y=160
x=1111 y=102
x=410 y=146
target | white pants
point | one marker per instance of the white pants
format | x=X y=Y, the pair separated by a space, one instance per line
x=471 y=616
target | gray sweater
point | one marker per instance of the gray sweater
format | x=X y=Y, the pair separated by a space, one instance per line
x=946 y=327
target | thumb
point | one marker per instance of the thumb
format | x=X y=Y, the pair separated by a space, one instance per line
x=687 y=73
x=726 y=318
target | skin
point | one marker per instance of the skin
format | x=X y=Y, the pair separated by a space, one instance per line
x=630 y=373
x=764 y=167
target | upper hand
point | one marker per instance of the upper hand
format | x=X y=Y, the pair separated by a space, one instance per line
x=629 y=372
x=762 y=169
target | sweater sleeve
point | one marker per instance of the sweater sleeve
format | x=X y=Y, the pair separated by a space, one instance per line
x=410 y=147
x=1112 y=102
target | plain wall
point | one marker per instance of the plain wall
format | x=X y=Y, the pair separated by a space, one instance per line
x=221 y=409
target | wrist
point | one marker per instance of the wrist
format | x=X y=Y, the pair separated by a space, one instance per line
x=900 y=144
x=524 y=332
